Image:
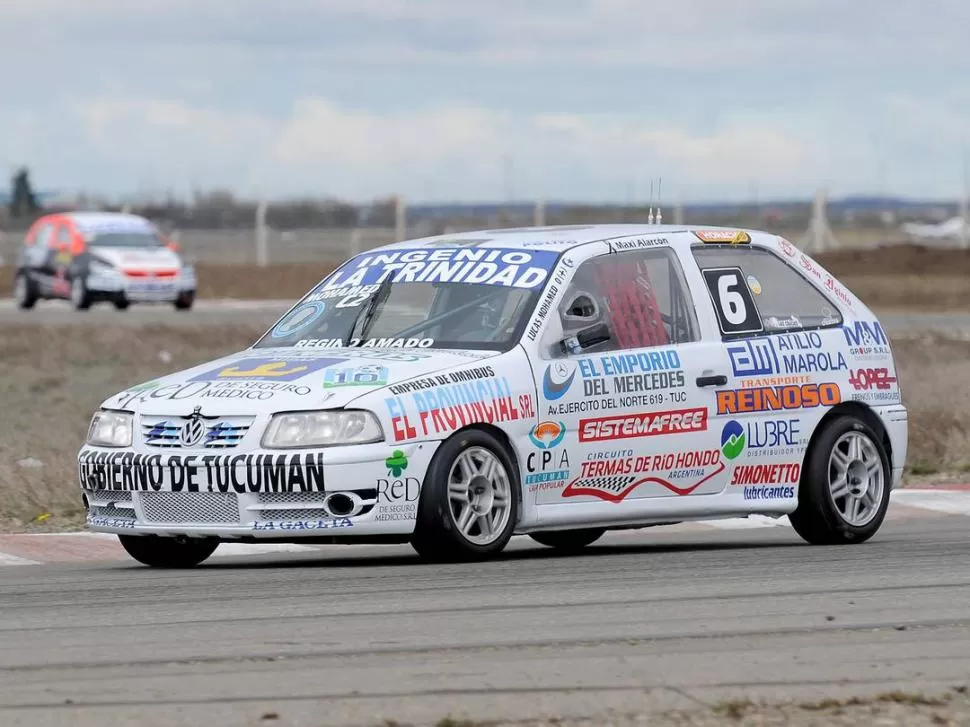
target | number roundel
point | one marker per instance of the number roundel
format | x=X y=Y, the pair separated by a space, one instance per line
x=302 y=317
x=733 y=303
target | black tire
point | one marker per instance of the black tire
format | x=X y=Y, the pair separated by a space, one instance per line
x=122 y=303
x=80 y=296
x=436 y=534
x=159 y=552
x=25 y=291
x=568 y=540
x=184 y=301
x=818 y=518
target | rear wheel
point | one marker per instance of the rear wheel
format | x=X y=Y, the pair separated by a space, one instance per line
x=568 y=540
x=845 y=485
x=80 y=297
x=160 y=552
x=469 y=501
x=122 y=303
x=184 y=301
x=24 y=291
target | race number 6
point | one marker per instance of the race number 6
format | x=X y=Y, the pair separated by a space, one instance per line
x=734 y=305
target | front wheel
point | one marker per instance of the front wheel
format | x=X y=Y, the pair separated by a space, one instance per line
x=469 y=501
x=160 y=552
x=25 y=292
x=845 y=485
x=80 y=297
x=568 y=540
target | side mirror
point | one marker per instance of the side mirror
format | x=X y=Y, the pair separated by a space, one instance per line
x=587 y=338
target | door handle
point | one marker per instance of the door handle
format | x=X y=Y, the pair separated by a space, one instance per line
x=716 y=380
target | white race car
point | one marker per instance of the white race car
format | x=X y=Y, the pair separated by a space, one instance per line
x=454 y=391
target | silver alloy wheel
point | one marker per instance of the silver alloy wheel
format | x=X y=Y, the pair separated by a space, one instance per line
x=479 y=495
x=77 y=291
x=20 y=289
x=857 y=478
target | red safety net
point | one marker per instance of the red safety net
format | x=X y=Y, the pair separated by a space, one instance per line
x=635 y=317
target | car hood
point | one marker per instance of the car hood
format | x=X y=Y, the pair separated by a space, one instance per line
x=146 y=258
x=255 y=381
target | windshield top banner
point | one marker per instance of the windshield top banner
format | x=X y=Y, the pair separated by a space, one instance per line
x=527 y=269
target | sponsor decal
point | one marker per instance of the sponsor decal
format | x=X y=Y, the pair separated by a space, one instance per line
x=301 y=317
x=626 y=426
x=557 y=379
x=754 y=285
x=547 y=469
x=761 y=438
x=874 y=384
x=397 y=495
x=791 y=353
x=366 y=375
x=448 y=407
x=866 y=339
x=547 y=435
x=240 y=473
x=251 y=390
x=766 y=474
x=730 y=237
x=787 y=248
x=431 y=382
x=614 y=479
x=777 y=398
x=267 y=369
x=756 y=492
x=482 y=266
x=321 y=524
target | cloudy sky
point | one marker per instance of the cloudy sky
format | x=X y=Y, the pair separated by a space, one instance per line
x=464 y=100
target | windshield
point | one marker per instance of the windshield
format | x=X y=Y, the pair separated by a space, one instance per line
x=125 y=239
x=432 y=298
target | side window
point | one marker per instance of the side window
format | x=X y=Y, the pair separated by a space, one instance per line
x=755 y=291
x=44 y=235
x=63 y=239
x=639 y=295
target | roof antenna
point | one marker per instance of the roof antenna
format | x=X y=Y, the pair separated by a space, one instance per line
x=650 y=213
x=660 y=181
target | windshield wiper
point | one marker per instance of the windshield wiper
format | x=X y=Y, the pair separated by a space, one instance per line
x=368 y=312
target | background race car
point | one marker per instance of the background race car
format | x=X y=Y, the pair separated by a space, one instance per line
x=87 y=257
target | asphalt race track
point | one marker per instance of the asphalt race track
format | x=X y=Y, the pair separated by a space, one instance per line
x=644 y=622
x=208 y=312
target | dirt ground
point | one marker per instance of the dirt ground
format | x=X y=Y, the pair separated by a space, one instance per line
x=56 y=376
x=904 y=276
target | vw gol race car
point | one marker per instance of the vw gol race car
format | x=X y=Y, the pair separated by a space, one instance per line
x=87 y=257
x=454 y=391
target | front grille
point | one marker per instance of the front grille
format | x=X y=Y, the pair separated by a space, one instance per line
x=224 y=433
x=294 y=514
x=288 y=505
x=110 y=510
x=107 y=497
x=196 y=508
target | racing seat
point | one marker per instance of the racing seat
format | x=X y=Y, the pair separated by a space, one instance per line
x=635 y=316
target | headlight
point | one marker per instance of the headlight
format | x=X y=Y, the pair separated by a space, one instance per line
x=322 y=429
x=110 y=429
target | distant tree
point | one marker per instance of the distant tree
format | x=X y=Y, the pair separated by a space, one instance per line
x=23 y=203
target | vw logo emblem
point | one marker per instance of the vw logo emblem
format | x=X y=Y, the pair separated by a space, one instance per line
x=192 y=432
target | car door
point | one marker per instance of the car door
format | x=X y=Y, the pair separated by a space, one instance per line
x=782 y=336
x=630 y=417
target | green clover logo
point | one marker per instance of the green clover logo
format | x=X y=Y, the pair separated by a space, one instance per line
x=396 y=463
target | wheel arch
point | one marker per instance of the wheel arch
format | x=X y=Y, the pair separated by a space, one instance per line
x=504 y=440
x=860 y=411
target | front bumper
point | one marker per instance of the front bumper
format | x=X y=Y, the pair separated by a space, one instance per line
x=347 y=491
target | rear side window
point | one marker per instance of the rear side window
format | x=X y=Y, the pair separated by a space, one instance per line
x=755 y=291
